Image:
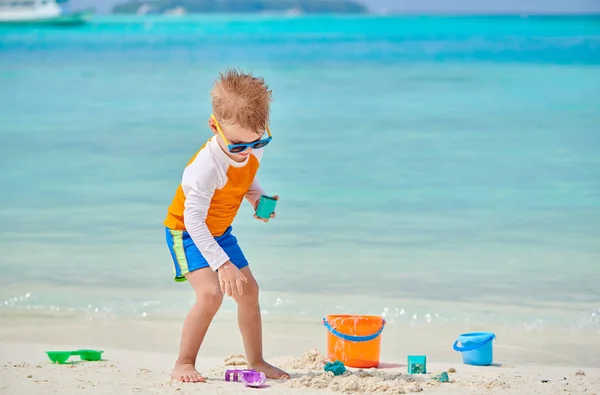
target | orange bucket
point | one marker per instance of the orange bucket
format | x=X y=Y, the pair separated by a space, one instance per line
x=354 y=339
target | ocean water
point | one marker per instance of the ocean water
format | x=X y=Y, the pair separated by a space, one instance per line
x=431 y=169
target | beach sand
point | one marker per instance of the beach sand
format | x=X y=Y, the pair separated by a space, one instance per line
x=139 y=354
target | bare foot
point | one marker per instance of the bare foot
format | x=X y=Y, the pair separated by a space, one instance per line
x=187 y=373
x=270 y=371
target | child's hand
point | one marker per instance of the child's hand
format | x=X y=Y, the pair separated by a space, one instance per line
x=231 y=279
x=276 y=197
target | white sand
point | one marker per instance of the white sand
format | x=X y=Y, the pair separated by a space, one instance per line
x=24 y=368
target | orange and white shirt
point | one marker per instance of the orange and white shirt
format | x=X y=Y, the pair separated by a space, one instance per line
x=211 y=192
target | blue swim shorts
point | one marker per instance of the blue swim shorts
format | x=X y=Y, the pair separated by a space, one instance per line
x=187 y=257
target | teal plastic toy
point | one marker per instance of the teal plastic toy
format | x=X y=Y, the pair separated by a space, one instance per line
x=441 y=377
x=266 y=207
x=337 y=367
x=61 y=357
x=417 y=364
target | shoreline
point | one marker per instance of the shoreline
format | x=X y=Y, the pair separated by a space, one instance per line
x=174 y=301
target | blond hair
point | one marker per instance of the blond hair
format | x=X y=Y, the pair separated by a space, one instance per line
x=241 y=99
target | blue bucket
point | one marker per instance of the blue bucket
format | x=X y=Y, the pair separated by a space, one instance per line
x=476 y=348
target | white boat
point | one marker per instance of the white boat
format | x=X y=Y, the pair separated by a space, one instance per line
x=40 y=12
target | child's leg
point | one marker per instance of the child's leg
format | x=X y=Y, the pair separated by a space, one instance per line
x=250 y=323
x=208 y=300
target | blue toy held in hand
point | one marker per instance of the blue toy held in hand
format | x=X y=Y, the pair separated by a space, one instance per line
x=266 y=207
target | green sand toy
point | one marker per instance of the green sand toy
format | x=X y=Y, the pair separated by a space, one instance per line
x=85 y=355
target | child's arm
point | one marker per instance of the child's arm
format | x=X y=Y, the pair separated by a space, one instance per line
x=254 y=192
x=199 y=184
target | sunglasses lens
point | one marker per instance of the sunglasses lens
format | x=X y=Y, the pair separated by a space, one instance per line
x=238 y=149
x=260 y=144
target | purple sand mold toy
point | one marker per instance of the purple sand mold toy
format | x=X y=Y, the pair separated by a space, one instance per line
x=251 y=378
x=234 y=375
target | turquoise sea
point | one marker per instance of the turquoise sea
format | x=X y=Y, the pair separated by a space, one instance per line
x=421 y=162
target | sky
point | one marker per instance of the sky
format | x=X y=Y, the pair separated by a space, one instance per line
x=445 y=6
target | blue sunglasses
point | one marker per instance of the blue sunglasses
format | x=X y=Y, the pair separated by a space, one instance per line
x=241 y=147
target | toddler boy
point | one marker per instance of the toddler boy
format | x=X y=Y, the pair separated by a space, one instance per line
x=198 y=224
